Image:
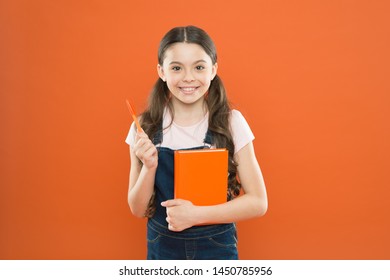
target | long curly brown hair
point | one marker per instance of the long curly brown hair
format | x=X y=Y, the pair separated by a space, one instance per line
x=218 y=105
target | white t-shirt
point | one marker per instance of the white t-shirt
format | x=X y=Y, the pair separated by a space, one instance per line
x=182 y=137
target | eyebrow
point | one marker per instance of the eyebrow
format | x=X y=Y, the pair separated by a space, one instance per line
x=177 y=62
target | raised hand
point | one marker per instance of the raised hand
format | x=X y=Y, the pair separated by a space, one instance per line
x=145 y=150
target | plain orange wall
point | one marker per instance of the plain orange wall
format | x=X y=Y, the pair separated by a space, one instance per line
x=311 y=77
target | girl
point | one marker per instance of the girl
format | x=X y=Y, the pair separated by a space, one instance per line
x=188 y=109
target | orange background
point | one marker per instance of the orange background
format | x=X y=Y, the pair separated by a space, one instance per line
x=311 y=78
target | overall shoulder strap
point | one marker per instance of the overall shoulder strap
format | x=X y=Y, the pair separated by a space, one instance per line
x=208 y=139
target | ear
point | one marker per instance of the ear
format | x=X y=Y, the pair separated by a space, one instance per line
x=160 y=72
x=214 y=71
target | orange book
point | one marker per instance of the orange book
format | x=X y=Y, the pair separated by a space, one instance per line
x=200 y=176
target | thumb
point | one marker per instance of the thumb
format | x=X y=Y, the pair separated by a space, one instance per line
x=170 y=203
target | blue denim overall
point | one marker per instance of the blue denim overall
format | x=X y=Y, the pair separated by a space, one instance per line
x=211 y=242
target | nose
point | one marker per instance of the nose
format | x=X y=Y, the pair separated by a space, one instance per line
x=188 y=77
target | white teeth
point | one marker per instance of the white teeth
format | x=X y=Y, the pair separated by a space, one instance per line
x=188 y=89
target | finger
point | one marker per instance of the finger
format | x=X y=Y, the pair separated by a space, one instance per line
x=173 y=228
x=170 y=225
x=141 y=134
x=166 y=203
x=147 y=153
x=142 y=146
x=149 y=150
x=171 y=203
x=141 y=141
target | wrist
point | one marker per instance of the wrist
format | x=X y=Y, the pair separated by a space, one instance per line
x=149 y=169
x=201 y=216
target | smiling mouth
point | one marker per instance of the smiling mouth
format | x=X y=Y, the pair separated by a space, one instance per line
x=188 y=90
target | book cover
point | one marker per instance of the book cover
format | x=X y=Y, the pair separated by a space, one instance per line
x=200 y=176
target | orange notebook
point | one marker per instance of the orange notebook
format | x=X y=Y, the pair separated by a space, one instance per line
x=201 y=176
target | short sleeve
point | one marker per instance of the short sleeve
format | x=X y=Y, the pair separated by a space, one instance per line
x=130 y=139
x=241 y=132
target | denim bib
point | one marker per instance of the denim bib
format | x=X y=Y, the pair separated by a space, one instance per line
x=198 y=242
x=164 y=180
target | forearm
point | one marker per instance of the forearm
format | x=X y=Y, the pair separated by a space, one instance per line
x=241 y=208
x=140 y=193
x=252 y=203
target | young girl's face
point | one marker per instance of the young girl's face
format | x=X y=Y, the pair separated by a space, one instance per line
x=188 y=70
